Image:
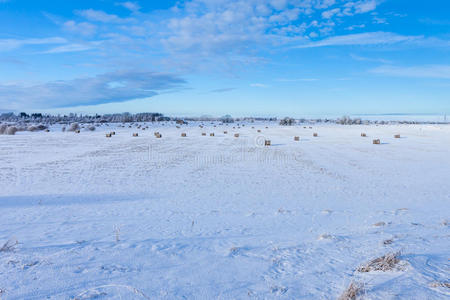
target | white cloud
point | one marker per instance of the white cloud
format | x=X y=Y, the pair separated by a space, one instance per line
x=68 y=48
x=330 y=13
x=427 y=71
x=12 y=44
x=132 y=6
x=259 y=85
x=297 y=79
x=368 y=38
x=101 y=16
x=83 y=28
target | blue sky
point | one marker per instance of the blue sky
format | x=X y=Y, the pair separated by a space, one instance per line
x=266 y=57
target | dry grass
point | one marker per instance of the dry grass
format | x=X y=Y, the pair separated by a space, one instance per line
x=354 y=290
x=9 y=246
x=440 y=284
x=384 y=263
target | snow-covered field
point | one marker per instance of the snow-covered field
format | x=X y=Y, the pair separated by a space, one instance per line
x=203 y=217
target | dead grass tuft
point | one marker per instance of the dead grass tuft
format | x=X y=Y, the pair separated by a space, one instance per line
x=354 y=290
x=384 y=263
x=9 y=246
x=440 y=284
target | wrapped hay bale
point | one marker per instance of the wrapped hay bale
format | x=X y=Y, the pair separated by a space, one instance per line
x=376 y=142
x=135 y=134
x=3 y=128
x=183 y=134
x=363 y=134
x=11 y=130
x=267 y=143
x=74 y=127
x=211 y=134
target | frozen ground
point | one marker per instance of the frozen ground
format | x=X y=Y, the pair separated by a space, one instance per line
x=221 y=217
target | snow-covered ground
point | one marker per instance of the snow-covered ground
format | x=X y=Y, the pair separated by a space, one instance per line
x=203 y=217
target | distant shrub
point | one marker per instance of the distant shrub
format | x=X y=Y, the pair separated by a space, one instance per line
x=287 y=121
x=63 y=128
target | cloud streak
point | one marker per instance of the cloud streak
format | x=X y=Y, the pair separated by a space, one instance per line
x=105 y=88
x=362 y=39
x=428 y=71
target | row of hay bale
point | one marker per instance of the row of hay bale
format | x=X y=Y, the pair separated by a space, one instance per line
x=378 y=141
x=11 y=129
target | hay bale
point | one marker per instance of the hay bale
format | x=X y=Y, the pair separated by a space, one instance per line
x=236 y=135
x=267 y=143
x=259 y=130
x=47 y=130
x=135 y=134
x=158 y=135
x=178 y=127
x=11 y=130
x=113 y=133
x=225 y=132
x=363 y=134
x=296 y=138
x=77 y=131
x=203 y=133
x=183 y=134
x=211 y=134
x=74 y=127
x=108 y=135
x=376 y=142
x=315 y=134
x=397 y=136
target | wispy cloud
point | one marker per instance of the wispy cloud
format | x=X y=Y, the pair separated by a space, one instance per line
x=296 y=79
x=12 y=44
x=427 y=71
x=370 y=59
x=259 y=85
x=105 y=88
x=223 y=90
x=132 y=6
x=368 y=38
x=68 y=48
x=101 y=16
